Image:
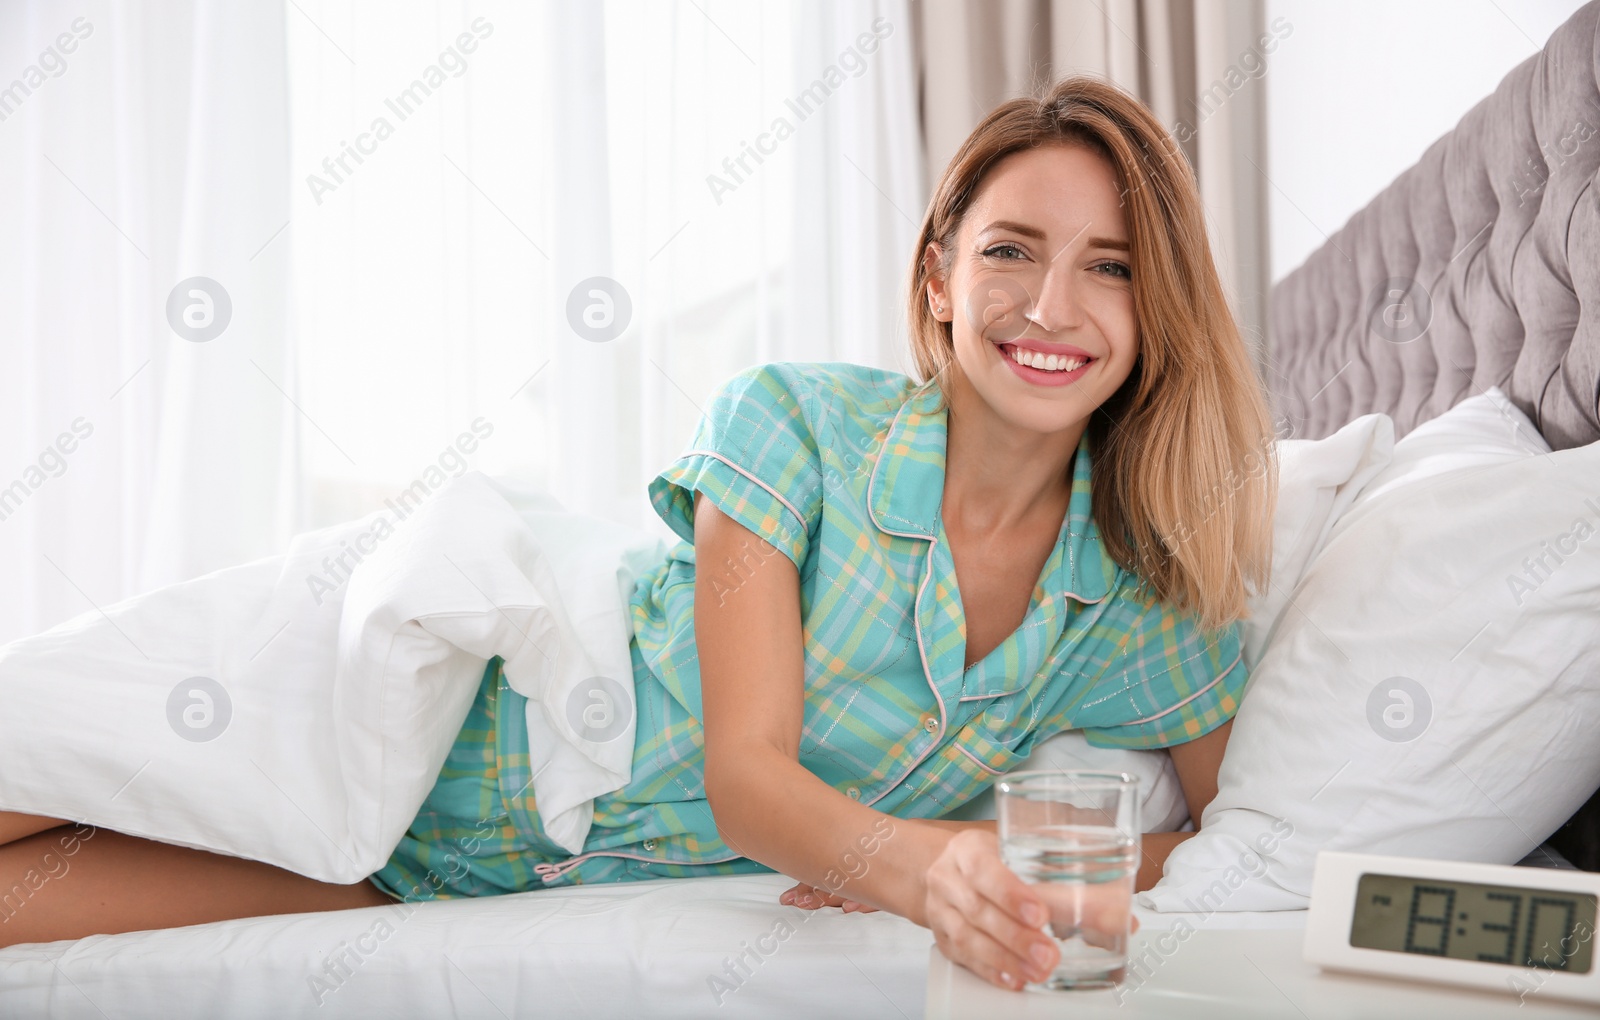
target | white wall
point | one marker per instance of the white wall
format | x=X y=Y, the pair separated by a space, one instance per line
x=1360 y=89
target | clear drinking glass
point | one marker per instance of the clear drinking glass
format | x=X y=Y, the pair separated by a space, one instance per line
x=1074 y=836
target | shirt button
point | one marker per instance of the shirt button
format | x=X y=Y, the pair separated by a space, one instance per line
x=854 y=793
x=929 y=723
x=649 y=844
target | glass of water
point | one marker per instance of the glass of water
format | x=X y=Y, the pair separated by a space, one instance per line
x=1074 y=837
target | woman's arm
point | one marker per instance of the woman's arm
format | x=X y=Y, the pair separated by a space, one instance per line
x=810 y=897
x=768 y=807
x=1197 y=762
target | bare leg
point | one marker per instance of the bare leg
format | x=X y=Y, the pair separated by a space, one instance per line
x=15 y=825
x=69 y=882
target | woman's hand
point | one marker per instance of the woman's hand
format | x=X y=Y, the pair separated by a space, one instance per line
x=809 y=897
x=990 y=921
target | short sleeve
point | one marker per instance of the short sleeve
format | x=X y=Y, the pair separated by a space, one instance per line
x=1169 y=682
x=755 y=456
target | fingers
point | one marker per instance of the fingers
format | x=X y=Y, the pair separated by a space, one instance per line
x=986 y=918
x=978 y=951
x=1013 y=911
x=985 y=957
x=984 y=933
x=857 y=907
x=809 y=897
x=1100 y=913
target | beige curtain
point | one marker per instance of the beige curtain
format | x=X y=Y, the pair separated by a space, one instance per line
x=1196 y=63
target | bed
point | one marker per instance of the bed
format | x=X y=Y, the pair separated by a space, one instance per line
x=1479 y=266
x=1496 y=226
x=657 y=948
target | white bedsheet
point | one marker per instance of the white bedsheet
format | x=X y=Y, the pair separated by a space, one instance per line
x=631 y=949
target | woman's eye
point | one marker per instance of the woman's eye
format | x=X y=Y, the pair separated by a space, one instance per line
x=1126 y=273
x=990 y=253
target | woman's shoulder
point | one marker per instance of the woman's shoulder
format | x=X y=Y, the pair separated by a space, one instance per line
x=841 y=377
x=820 y=392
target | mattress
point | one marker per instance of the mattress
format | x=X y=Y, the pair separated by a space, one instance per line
x=662 y=948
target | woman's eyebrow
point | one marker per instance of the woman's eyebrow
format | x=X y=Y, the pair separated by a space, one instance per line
x=1016 y=228
x=1114 y=243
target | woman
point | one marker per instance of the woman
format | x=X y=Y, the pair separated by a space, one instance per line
x=895 y=589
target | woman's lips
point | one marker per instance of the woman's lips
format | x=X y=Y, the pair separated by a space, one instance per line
x=1040 y=376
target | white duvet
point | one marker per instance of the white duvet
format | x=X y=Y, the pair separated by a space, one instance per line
x=297 y=709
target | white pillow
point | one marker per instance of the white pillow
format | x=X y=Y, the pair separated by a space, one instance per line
x=1318 y=479
x=1161 y=804
x=1434 y=693
x=1478 y=431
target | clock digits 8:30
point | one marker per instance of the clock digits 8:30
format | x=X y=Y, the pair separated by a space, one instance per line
x=1541 y=928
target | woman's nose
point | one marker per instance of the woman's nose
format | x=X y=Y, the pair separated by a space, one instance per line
x=1059 y=305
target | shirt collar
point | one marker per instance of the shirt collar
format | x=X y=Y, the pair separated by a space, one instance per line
x=906 y=492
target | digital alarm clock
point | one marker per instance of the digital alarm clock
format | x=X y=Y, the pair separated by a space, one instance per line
x=1519 y=931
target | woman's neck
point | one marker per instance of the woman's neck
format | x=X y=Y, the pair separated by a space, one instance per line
x=997 y=476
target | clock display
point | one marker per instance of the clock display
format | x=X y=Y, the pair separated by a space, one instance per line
x=1525 y=927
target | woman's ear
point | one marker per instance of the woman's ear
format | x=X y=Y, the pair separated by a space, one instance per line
x=938 y=292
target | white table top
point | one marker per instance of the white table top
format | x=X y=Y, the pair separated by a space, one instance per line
x=1230 y=975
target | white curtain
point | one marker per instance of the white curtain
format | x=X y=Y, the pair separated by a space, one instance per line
x=862 y=188
x=582 y=142
x=402 y=209
x=139 y=148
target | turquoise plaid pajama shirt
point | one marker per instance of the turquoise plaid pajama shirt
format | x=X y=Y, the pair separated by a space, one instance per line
x=841 y=469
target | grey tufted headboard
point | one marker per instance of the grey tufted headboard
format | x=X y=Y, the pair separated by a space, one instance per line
x=1478 y=266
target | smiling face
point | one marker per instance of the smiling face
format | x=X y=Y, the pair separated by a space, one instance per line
x=1039 y=289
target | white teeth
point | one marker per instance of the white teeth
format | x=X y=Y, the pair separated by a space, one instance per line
x=1046 y=362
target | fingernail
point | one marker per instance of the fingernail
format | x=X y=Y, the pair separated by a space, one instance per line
x=1040 y=953
x=1034 y=914
x=1007 y=978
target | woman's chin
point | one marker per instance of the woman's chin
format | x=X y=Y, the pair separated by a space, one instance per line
x=1044 y=415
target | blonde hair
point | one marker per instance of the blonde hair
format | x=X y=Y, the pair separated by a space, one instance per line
x=1184 y=478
